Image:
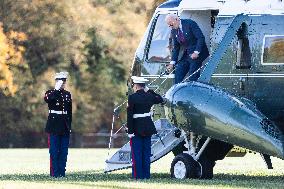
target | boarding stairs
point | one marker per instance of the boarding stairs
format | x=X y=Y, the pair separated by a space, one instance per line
x=161 y=144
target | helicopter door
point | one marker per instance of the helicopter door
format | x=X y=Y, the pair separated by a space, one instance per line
x=157 y=55
x=205 y=20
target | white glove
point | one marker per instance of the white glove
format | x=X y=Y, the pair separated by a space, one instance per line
x=58 y=84
x=131 y=135
x=146 y=89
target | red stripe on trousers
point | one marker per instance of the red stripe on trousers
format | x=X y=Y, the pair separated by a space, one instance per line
x=50 y=160
x=133 y=159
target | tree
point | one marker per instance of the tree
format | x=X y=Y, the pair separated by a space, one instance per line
x=93 y=40
x=151 y=11
x=275 y=52
x=11 y=52
x=100 y=83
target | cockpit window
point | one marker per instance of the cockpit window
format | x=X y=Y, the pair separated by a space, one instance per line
x=160 y=45
x=273 y=50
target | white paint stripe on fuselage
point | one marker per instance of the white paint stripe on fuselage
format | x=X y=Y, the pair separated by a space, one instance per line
x=222 y=75
x=248 y=75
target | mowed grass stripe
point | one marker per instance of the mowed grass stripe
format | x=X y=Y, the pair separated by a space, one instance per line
x=29 y=168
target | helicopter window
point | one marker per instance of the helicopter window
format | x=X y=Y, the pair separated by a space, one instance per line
x=243 y=49
x=273 y=49
x=159 y=50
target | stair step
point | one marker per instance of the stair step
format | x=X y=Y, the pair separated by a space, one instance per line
x=118 y=162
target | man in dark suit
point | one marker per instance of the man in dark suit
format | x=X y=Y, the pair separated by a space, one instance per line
x=58 y=125
x=140 y=126
x=189 y=47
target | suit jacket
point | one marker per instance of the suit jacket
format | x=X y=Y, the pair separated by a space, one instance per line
x=194 y=41
x=58 y=100
x=139 y=103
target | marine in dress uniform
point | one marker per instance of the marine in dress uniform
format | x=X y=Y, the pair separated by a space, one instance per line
x=58 y=124
x=140 y=126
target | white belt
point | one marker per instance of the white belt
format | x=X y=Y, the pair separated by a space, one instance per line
x=142 y=115
x=57 y=112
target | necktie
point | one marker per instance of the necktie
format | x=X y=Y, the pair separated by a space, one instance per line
x=180 y=36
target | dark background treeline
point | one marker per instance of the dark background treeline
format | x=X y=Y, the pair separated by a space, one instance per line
x=94 y=40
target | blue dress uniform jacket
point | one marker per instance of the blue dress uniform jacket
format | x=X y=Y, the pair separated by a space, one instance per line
x=61 y=101
x=140 y=103
x=58 y=126
x=142 y=126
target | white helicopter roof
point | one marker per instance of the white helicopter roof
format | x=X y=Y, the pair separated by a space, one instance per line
x=252 y=7
x=200 y=5
x=234 y=7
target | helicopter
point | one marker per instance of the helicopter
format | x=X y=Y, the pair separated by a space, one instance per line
x=238 y=100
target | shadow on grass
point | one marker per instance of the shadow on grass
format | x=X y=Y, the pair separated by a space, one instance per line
x=100 y=179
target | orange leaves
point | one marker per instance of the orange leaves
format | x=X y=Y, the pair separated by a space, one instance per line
x=19 y=36
x=10 y=54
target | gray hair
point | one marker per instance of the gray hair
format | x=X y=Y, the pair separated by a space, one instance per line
x=171 y=16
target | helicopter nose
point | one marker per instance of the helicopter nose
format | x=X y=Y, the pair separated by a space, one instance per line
x=213 y=112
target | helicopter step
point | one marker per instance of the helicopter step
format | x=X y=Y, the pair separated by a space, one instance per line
x=161 y=144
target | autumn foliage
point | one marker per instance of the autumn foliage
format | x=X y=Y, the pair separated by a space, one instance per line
x=11 y=54
x=94 y=40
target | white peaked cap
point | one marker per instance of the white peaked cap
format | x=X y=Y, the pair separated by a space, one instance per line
x=137 y=79
x=61 y=75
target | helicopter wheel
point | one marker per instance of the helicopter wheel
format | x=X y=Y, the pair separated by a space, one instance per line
x=184 y=166
x=205 y=170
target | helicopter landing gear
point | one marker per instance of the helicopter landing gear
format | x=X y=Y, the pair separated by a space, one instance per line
x=184 y=166
x=189 y=164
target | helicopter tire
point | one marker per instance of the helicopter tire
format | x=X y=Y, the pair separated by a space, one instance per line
x=184 y=166
x=206 y=168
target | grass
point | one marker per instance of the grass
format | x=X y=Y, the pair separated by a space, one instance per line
x=29 y=168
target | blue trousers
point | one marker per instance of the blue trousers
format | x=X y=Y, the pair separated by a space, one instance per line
x=187 y=65
x=58 y=150
x=141 y=153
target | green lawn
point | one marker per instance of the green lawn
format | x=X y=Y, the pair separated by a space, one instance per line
x=28 y=168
